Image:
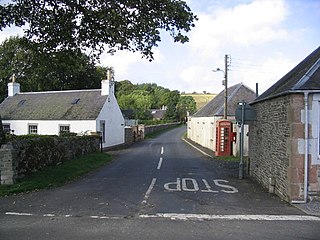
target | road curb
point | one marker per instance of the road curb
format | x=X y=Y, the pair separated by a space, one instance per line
x=198 y=149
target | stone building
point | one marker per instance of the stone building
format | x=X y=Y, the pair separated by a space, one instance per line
x=284 y=140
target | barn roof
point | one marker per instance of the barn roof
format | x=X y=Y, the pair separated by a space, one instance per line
x=236 y=94
x=55 y=105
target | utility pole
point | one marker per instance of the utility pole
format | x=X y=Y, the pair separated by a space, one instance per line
x=225 y=114
x=225 y=83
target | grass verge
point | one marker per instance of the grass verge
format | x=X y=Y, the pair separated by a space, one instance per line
x=230 y=158
x=55 y=176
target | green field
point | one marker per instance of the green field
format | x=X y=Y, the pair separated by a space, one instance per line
x=200 y=98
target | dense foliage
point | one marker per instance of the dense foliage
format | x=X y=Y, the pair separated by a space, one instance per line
x=39 y=71
x=99 y=25
x=143 y=97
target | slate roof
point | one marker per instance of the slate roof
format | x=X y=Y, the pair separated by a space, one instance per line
x=305 y=76
x=236 y=94
x=59 y=105
x=158 y=113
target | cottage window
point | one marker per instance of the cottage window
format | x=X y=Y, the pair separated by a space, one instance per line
x=6 y=127
x=33 y=129
x=64 y=128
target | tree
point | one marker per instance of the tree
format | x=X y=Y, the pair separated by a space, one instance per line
x=39 y=71
x=139 y=101
x=99 y=25
x=185 y=105
x=172 y=101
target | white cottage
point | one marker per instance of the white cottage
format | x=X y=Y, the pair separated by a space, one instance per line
x=52 y=112
x=202 y=126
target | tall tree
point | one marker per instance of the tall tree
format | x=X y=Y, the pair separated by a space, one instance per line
x=99 y=25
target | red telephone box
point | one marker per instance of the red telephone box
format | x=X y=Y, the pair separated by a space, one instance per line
x=224 y=138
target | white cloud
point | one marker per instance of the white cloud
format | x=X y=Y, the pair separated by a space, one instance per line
x=121 y=61
x=265 y=72
x=243 y=25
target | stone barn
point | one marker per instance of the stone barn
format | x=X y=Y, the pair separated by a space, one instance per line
x=284 y=145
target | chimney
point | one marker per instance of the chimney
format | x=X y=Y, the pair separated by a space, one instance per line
x=13 y=88
x=107 y=87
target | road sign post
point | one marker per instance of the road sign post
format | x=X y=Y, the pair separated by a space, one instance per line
x=244 y=114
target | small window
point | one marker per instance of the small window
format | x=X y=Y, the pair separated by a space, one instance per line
x=33 y=129
x=64 y=128
x=6 y=127
x=21 y=102
x=75 y=101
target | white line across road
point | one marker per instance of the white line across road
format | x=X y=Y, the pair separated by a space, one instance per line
x=187 y=217
x=202 y=217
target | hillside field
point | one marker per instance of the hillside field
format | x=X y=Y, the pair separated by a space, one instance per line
x=200 y=98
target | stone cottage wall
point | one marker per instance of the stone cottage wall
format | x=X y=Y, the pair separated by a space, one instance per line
x=20 y=158
x=268 y=140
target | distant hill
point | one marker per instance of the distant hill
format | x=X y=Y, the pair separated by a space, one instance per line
x=201 y=99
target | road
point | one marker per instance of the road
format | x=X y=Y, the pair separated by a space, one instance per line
x=157 y=189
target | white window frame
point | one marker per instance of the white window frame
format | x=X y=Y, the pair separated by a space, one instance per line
x=64 y=126
x=6 y=127
x=32 y=131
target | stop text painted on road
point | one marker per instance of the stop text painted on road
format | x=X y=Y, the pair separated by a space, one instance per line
x=191 y=185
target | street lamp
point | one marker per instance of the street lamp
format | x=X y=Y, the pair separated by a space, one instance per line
x=225 y=84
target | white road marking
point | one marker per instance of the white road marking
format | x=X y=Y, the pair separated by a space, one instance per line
x=208 y=190
x=147 y=195
x=162 y=150
x=231 y=189
x=202 y=217
x=160 y=163
x=193 y=217
x=49 y=215
x=173 y=186
x=19 y=214
x=195 y=185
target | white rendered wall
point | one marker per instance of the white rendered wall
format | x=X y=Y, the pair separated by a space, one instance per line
x=48 y=127
x=114 y=122
x=314 y=139
x=202 y=131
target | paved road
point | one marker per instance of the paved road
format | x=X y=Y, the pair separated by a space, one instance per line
x=160 y=188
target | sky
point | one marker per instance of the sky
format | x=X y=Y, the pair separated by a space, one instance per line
x=264 y=39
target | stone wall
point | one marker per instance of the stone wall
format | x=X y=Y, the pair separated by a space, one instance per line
x=133 y=134
x=20 y=158
x=138 y=132
x=270 y=144
x=154 y=128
